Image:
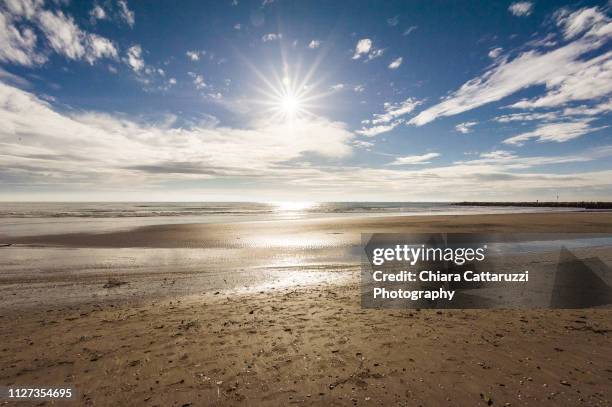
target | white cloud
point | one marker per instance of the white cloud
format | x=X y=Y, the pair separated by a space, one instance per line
x=547 y=41
x=10 y=78
x=602 y=108
x=172 y=81
x=385 y=122
x=99 y=47
x=97 y=13
x=396 y=63
x=358 y=88
x=495 y=52
x=409 y=30
x=337 y=87
x=134 y=58
x=67 y=39
x=523 y=117
x=557 y=132
x=125 y=13
x=466 y=127
x=272 y=37
x=18 y=45
x=583 y=80
x=314 y=44
x=375 y=53
x=521 y=8
x=393 y=21
x=415 y=159
x=586 y=20
x=502 y=155
x=61 y=32
x=23 y=8
x=395 y=110
x=376 y=130
x=363 y=144
x=363 y=47
x=195 y=55
x=563 y=70
x=101 y=148
x=237 y=26
x=198 y=80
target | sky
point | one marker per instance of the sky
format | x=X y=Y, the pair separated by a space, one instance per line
x=234 y=100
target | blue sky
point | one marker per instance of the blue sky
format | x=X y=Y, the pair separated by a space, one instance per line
x=294 y=100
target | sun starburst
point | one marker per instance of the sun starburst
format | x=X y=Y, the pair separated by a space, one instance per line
x=289 y=96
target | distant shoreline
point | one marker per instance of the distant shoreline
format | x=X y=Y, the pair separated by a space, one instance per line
x=538 y=204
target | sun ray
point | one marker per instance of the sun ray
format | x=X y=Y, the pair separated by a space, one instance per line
x=286 y=94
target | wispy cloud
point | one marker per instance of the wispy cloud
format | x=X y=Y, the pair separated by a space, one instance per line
x=125 y=13
x=63 y=36
x=562 y=70
x=375 y=53
x=521 y=8
x=198 y=80
x=415 y=159
x=524 y=117
x=466 y=127
x=134 y=58
x=363 y=144
x=395 y=110
x=409 y=30
x=363 y=46
x=379 y=129
x=195 y=54
x=390 y=119
x=557 y=132
x=97 y=13
x=396 y=63
x=495 y=52
x=272 y=37
x=66 y=38
x=314 y=44
x=18 y=45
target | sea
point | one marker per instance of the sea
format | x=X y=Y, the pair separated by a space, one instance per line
x=29 y=218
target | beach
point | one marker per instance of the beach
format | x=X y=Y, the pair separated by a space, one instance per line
x=268 y=313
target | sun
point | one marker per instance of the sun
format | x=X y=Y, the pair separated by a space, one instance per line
x=289 y=97
x=289 y=105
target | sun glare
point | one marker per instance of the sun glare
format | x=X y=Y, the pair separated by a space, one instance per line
x=293 y=206
x=290 y=105
x=289 y=97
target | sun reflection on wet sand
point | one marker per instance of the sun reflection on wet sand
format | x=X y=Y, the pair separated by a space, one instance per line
x=299 y=278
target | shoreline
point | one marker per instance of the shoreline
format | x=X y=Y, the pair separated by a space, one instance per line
x=221 y=234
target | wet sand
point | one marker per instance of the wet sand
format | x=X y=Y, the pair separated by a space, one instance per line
x=304 y=342
x=321 y=231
